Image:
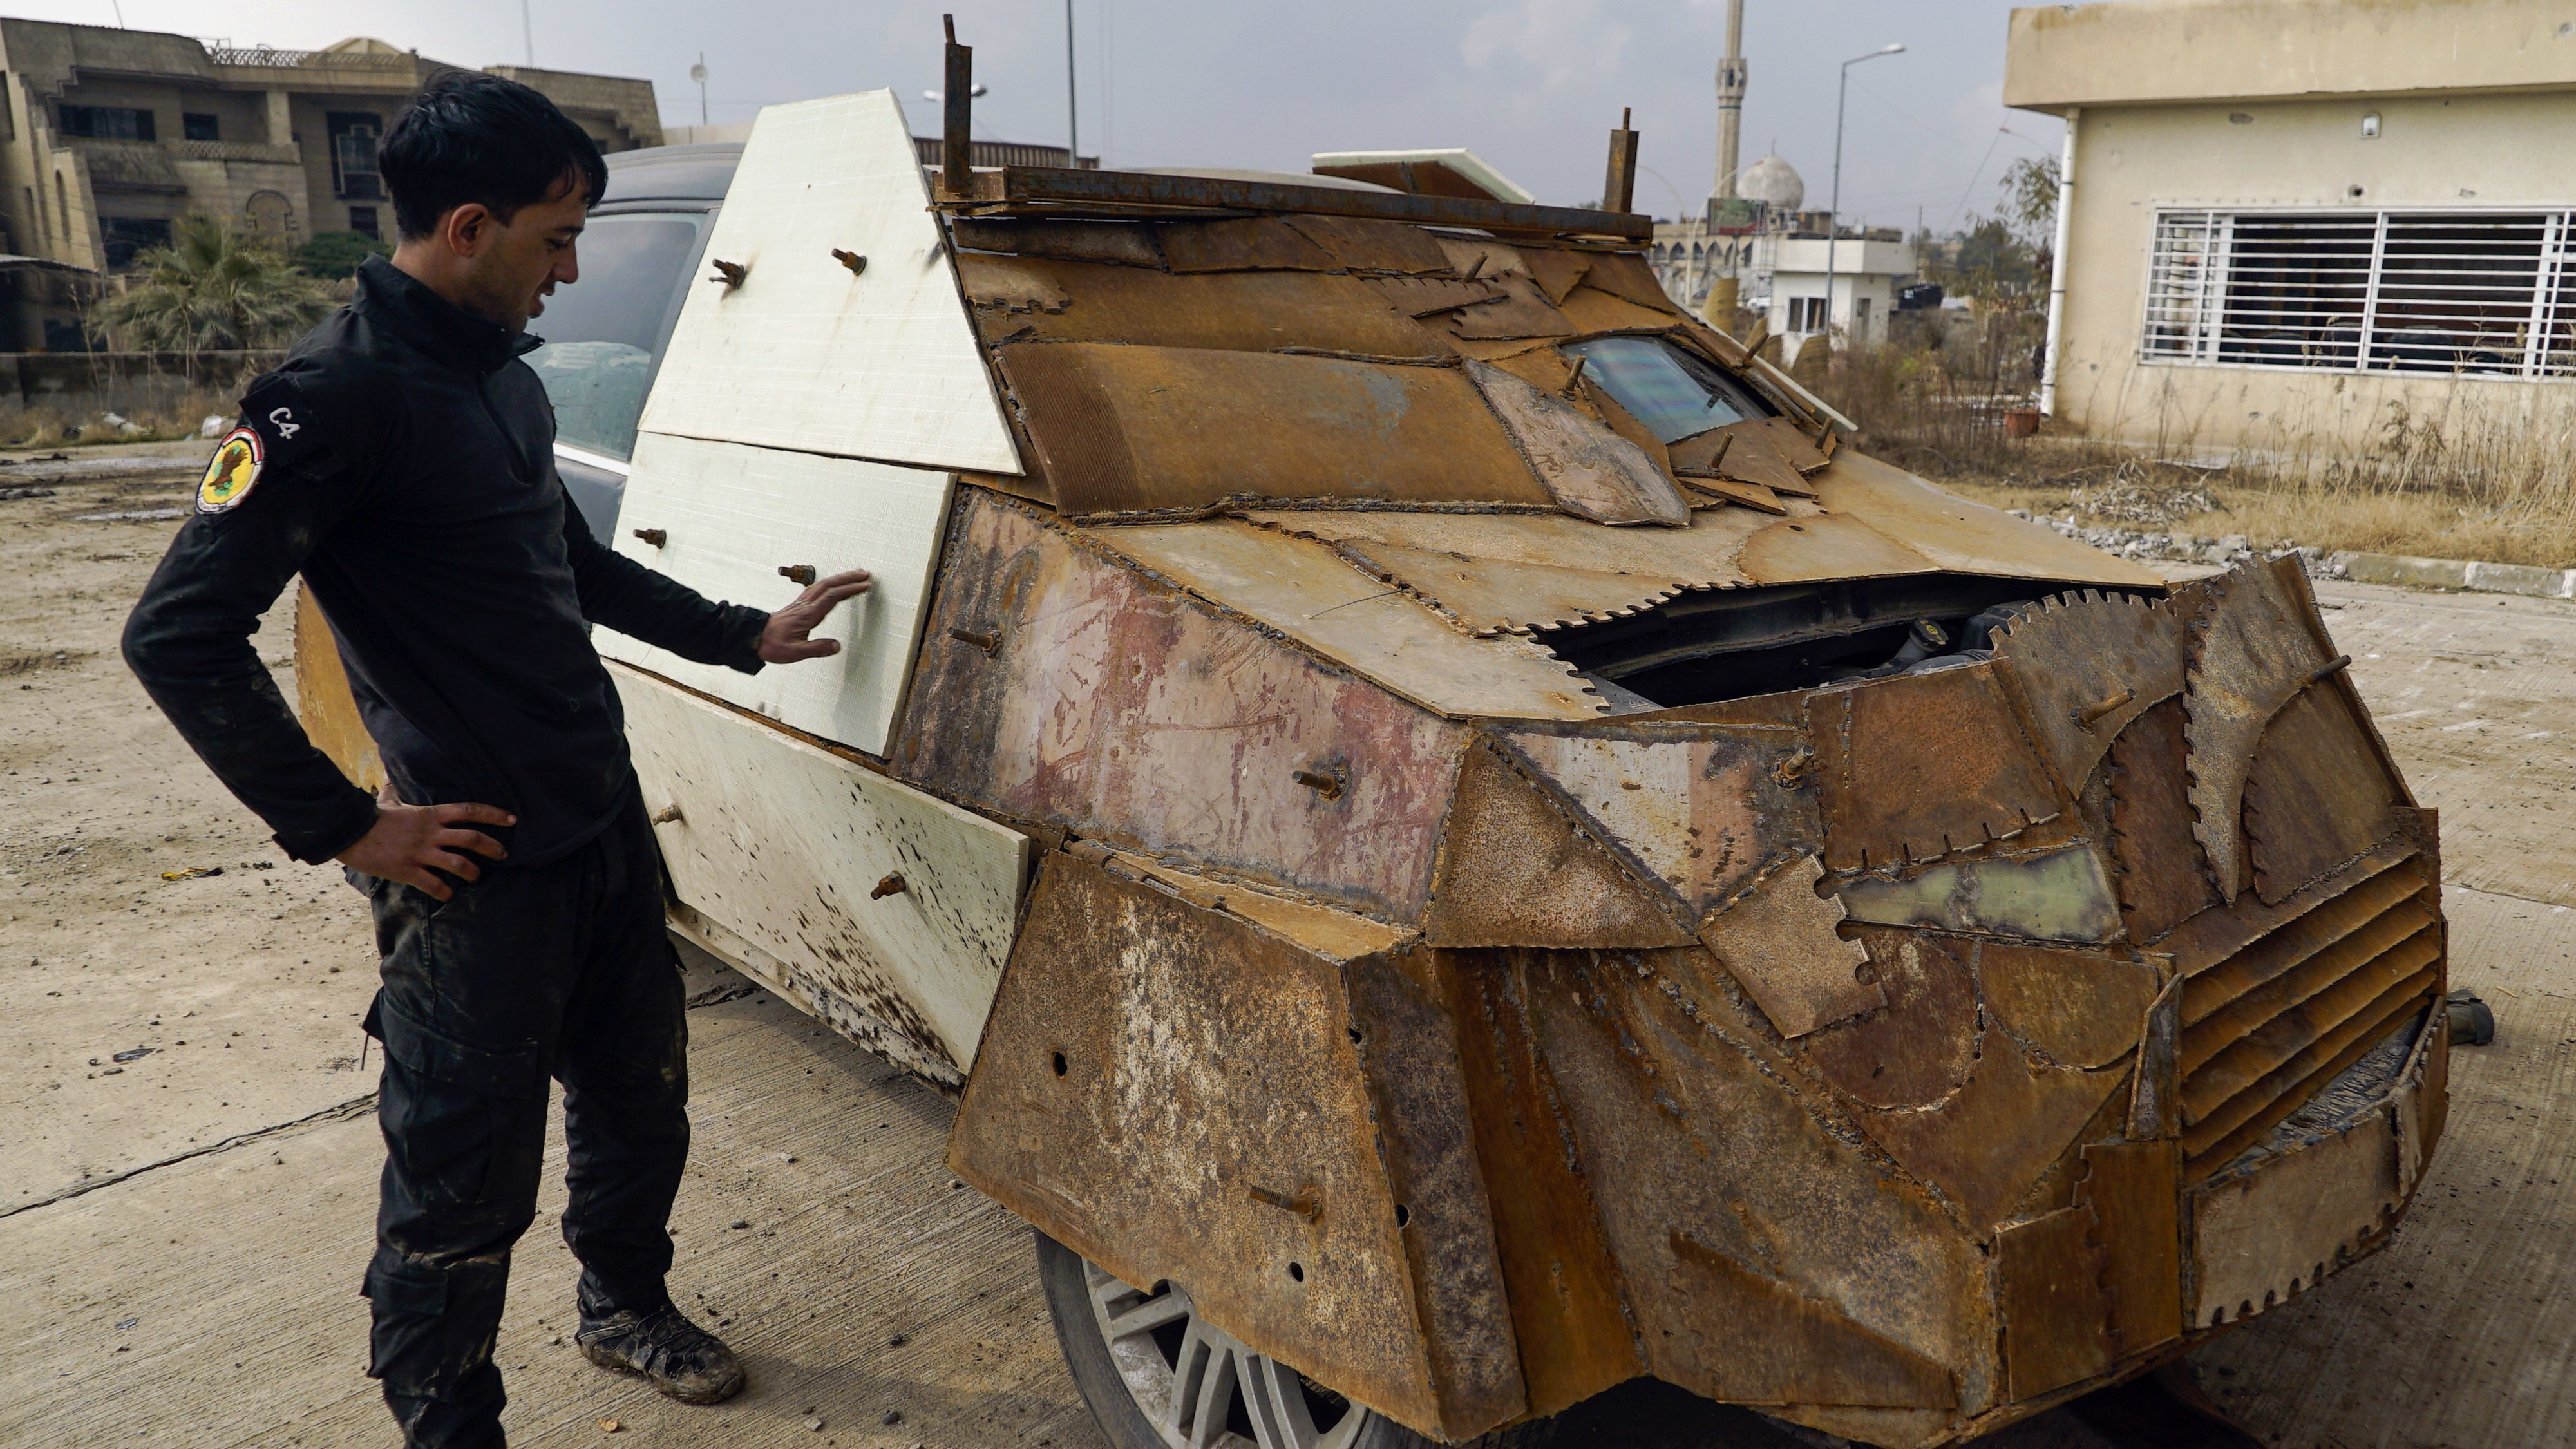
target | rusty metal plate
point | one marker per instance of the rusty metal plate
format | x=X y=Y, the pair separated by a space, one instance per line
x=1411 y=1061
x=1422 y=296
x=1962 y=536
x=1229 y=311
x=1511 y=574
x=1364 y=245
x=2264 y=1238
x=1993 y=1136
x=1569 y=1305
x=1127 y=243
x=1012 y=286
x=1252 y=243
x=2135 y=1191
x=1594 y=311
x=1922 y=1045
x=1123 y=429
x=2087 y=663
x=1066 y=721
x=2068 y=1008
x=2210 y=938
x=2155 y=1091
x=1516 y=870
x=1749 y=495
x=1810 y=545
x=1700 y=811
x=1474 y=257
x=1157 y=1078
x=2163 y=878
x=1744 y=1225
x=1521 y=311
x=1316 y=598
x=1629 y=277
x=1919 y=766
x=1783 y=942
x=1594 y=473
x=1745 y=452
x=2061 y=893
x=2255 y=642
x=2316 y=796
x=2049 y=1276
x=1556 y=269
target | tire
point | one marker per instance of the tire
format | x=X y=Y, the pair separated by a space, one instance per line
x=1127 y=1350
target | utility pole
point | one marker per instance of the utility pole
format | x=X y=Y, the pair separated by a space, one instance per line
x=528 y=33
x=1072 y=113
x=1834 y=208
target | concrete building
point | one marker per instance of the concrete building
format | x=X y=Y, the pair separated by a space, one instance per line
x=1852 y=302
x=2288 y=219
x=1690 y=254
x=108 y=136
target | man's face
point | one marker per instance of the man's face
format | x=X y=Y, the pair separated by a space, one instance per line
x=512 y=266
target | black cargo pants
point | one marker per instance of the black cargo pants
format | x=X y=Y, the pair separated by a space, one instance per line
x=560 y=970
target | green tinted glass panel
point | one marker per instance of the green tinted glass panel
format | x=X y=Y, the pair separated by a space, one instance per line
x=1673 y=393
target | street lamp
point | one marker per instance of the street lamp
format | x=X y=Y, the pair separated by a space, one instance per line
x=1833 y=213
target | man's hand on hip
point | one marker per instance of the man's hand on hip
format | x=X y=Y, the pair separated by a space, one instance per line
x=783 y=641
x=408 y=841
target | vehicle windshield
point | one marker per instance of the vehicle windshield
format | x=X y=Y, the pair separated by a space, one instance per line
x=1673 y=393
x=603 y=331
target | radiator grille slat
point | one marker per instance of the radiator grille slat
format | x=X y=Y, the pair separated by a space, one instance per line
x=2295 y=941
x=2262 y=1009
x=2268 y=1025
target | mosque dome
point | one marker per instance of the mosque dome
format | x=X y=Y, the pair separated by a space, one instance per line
x=1773 y=181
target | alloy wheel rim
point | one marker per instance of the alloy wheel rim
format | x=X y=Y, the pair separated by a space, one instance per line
x=1202 y=1388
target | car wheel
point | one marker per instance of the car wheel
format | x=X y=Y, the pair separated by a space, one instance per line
x=1158 y=1376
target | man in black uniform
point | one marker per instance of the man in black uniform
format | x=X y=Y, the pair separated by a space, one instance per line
x=402 y=461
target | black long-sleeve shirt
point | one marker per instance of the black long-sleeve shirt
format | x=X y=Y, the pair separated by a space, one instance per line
x=402 y=459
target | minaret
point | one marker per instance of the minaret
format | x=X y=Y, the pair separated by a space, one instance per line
x=1730 y=99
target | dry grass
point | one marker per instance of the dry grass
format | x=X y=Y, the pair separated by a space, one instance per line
x=2452 y=487
x=160 y=408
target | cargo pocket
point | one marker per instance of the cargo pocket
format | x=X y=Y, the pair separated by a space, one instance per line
x=458 y=1119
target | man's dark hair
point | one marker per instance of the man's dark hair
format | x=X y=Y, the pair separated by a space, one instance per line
x=472 y=137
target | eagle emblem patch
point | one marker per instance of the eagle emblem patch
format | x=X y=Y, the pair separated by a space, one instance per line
x=231 y=473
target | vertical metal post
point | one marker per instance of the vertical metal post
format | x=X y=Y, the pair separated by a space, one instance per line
x=2057 y=267
x=2370 y=294
x=527 y=33
x=1072 y=112
x=1834 y=207
x=1619 y=185
x=2544 y=294
x=956 y=163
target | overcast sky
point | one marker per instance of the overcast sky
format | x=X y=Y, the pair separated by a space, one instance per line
x=1533 y=86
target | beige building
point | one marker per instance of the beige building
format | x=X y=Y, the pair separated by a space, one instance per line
x=108 y=136
x=2286 y=220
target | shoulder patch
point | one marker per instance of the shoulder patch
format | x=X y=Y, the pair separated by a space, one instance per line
x=232 y=472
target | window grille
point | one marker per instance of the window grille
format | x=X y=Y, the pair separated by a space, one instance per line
x=2478 y=293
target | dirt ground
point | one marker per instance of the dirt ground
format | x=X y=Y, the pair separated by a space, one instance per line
x=181 y=1231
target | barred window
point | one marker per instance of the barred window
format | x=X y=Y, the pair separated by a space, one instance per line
x=2483 y=293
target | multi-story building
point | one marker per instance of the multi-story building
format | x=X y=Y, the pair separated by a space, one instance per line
x=107 y=137
x=2292 y=225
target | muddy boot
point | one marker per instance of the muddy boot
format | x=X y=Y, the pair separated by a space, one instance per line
x=683 y=1360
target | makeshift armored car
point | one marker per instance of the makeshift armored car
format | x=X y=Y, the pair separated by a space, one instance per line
x=1460 y=848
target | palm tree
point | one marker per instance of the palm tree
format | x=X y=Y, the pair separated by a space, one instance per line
x=213 y=288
